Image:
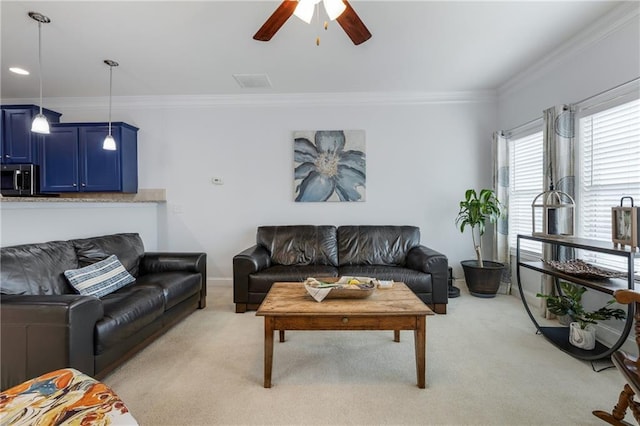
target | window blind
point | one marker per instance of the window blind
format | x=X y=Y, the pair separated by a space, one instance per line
x=610 y=168
x=525 y=182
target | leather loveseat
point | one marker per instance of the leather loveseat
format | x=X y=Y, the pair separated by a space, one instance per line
x=47 y=325
x=294 y=253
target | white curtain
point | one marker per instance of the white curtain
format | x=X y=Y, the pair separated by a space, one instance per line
x=501 y=253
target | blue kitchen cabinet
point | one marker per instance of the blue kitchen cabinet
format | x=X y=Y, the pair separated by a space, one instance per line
x=19 y=144
x=59 y=160
x=72 y=159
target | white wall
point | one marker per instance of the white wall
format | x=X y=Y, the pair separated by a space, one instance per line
x=32 y=222
x=421 y=157
x=596 y=60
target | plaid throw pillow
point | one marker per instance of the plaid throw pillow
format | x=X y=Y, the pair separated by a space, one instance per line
x=101 y=278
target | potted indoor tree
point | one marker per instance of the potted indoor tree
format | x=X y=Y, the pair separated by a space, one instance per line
x=582 y=333
x=482 y=276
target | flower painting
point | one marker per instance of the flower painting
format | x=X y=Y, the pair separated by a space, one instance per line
x=330 y=165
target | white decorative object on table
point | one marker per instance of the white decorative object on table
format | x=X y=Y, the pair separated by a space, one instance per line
x=385 y=283
x=583 y=338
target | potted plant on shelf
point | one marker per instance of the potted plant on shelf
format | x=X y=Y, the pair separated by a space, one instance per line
x=582 y=332
x=482 y=276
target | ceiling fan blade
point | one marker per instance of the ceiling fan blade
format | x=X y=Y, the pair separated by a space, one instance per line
x=353 y=26
x=276 y=20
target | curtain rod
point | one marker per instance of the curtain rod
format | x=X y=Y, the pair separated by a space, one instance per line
x=530 y=122
x=606 y=91
x=521 y=126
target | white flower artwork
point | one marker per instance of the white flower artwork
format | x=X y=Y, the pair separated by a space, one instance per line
x=330 y=165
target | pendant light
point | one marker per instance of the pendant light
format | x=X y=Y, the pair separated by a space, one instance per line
x=40 y=123
x=109 y=143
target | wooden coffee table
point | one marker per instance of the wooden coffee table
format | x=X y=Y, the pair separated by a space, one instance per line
x=288 y=306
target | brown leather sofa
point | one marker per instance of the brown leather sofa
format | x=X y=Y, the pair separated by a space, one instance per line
x=296 y=252
x=46 y=325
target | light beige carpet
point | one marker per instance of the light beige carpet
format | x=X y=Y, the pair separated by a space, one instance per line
x=485 y=366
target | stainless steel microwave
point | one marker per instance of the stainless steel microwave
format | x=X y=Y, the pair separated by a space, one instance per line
x=19 y=179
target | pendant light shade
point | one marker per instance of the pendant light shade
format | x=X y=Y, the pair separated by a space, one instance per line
x=40 y=123
x=109 y=143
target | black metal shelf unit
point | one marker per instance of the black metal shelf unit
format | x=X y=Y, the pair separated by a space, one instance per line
x=559 y=336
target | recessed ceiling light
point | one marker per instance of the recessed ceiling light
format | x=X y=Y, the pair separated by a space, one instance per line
x=19 y=71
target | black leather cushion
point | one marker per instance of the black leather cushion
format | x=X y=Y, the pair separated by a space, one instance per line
x=176 y=286
x=376 y=245
x=261 y=282
x=125 y=312
x=127 y=247
x=417 y=281
x=299 y=244
x=37 y=269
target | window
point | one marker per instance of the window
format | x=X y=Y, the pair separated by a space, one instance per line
x=525 y=182
x=609 y=142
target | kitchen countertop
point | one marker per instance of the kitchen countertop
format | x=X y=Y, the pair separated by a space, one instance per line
x=143 y=196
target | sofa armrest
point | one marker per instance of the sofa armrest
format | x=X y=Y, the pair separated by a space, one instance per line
x=44 y=333
x=247 y=262
x=153 y=262
x=425 y=259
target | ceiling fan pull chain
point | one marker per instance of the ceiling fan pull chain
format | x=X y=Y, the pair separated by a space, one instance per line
x=317 y=15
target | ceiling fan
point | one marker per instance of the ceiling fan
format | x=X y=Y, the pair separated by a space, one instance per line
x=348 y=19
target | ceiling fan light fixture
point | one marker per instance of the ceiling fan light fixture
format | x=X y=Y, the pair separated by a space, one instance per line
x=304 y=9
x=334 y=8
x=349 y=20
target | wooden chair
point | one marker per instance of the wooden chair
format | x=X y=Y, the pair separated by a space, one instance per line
x=629 y=367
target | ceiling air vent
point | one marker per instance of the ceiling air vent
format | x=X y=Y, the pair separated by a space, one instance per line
x=253 y=81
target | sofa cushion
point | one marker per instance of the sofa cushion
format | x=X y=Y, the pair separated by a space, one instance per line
x=100 y=278
x=299 y=244
x=127 y=247
x=125 y=312
x=37 y=269
x=261 y=282
x=176 y=286
x=417 y=281
x=376 y=245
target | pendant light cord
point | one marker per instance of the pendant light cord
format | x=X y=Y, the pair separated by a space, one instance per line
x=110 y=95
x=40 y=60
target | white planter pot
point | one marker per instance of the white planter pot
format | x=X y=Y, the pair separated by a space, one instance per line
x=582 y=338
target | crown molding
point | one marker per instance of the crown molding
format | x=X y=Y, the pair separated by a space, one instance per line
x=599 y=30
x=268 y=100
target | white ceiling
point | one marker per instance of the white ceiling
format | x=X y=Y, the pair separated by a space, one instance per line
x=195 y=47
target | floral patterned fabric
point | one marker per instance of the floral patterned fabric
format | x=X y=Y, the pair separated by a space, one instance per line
x=559 y=174
x=63 y=397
